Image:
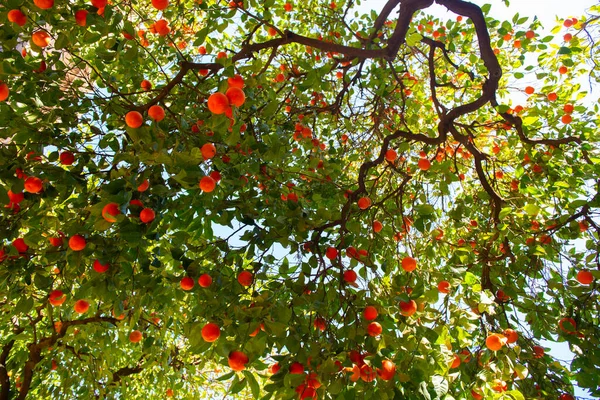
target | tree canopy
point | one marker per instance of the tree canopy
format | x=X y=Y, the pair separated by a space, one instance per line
x=291 y=199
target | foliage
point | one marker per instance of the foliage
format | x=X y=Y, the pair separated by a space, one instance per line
x=362 y=140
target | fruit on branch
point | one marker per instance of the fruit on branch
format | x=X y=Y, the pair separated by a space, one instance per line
x=370 y=313
x=134 y=119
x=100 y=268
x=205 y=280
x=218 y=103
x=157 y=113
x=495 y=341
x=17 y=17
x=147 y=215
x=245 y=278
x=57 y=297
x=186 y=283
x=211 y=332
x=409 y=264
x=81 y=306
x=41 y=38
x=110 y=211
x=408 y=308
x=77 y=243
x=135 y=336
x=33 y=184
x=237 y=360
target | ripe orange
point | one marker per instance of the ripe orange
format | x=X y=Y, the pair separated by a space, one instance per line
x=135 y=336
x=320 y=323
x=44 y=4
x=157 y=113
x=218 y=103
x=20 y=245
x=66 y=158
x=56 y=297
x=146 y=85
x=169 y=393
x=296 y=368
x=99 y=3
x=33 y=184
x=374 y=329
x=476 y=395
x=331 y=253
x=408 y=308
x=81 y=306
x=495 y=341
x=387 y=370
x=585 y=277
x=350 y=276
x=563 y=70
x=568 y=325
x=186 y=283
x=511 y=335
x=143 y=186
x=444 y=287
x=100 y=268
x=529 y=90
x=455 y=362
x=538 y=352
x=17 y=17
x=566 y=119
x=205 y=280
x=160 y=4
x=287 y=7
x=367 y=373
x=211 y=332
x=364 y=203
x=162 y=27
x=4 y=91
x=77 y=243
x=424 y=164
x=237 y=360
x=377 y=226
x=370 y=313
x=81 y=17
x=41 y=38
x=391 y=155
x=245 y=278
x=236 y=81
x=202 y=50
x=208 y=151
x=110 y=211
x=235 y=96
x=134 y=119
x=207 y=184
x=273 y=369
x=552 y=96
x=272 y=31
x=147 y=215
x=409 y=264
x=568 y=108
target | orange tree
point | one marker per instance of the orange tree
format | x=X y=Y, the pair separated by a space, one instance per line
x=288 y=199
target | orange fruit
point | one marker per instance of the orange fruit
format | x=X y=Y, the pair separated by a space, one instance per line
x=81 y=17
x=320 y=324
x=4 y=91
x=44 y=4
x=237 y=360
x=236 y=81
x=374 y=329
x=568 y=108
x=273 y=369
x=444 y=287
x=367 y=373
x=529 y=90
x=424 y=164
x=567 y=325
x=409 y=264
x=17 y=17
x=20 y=245
x=387 y=370
x=146 y=85
x=208 y=151
x=186 y=283
x=364 y=203
x=350 y=276
x=99 y=3
x=331 y=253
x=218 y=103
x=585 y=277
x=563 y=70
x=160 y=4
x=391 y=155
x=495 y=341
x=287 y=7
x=33 y=184
x=147 y=215
x=370 y=313
x=162 y=27
x=77 y=243
x=455 y=362
x=235 y=96
x=157 y=113
x=408 y=308
x=566 y=119
x=134 y=119
x=511 y=335
x=41 y=38
x=110 y=211
x=143 y=186
x=377 y=226
x=135 y=336
x=538 y=352
x=100 y=268
x=56 y=297
x=207 y=184
x=552 y=96
x=211 y=332
x=245 y=278
x=296 y=368
x=205 y=280
x=81 y=306
x=66 y=158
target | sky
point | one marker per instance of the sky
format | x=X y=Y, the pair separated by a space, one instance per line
x=548 y=12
